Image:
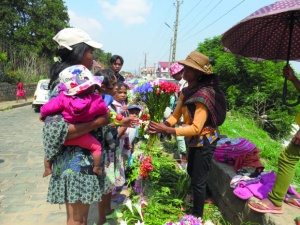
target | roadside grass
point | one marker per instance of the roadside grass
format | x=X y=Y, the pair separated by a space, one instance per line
x=7 y=108
x=237 y=125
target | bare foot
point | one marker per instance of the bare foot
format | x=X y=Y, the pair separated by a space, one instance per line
x=97 y=170
x=47 y=172
x=267 y=202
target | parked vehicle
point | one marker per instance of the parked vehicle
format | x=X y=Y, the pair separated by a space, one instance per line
x=40 y=95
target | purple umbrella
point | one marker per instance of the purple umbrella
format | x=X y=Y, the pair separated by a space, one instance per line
x=270 y=33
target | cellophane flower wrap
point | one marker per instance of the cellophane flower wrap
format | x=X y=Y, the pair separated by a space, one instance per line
x=156 y=94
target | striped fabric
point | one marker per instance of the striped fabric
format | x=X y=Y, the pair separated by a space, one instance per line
x=208 y=93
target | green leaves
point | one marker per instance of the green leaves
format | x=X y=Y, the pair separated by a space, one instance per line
x=254 y=88
x=32 y=23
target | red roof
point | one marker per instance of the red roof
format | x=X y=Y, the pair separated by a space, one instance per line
x=164 y=64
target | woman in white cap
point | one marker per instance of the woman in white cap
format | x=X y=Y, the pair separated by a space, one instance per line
x=72 y=182
x=203 y=107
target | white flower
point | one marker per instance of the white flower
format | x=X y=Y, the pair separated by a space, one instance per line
x=139 y=209
x=208 y=222
x=139 y=223
x=123 y=222
x=129 y=205
x=146 y=136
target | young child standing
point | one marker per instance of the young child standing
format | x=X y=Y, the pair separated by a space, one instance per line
x=120 y=97
x=128 y=139
x=78 y=103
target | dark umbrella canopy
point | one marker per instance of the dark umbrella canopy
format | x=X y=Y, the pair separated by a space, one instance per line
x=270 y=33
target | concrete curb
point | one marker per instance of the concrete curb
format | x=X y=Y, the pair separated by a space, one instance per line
x=12 y=104
x=22 y=104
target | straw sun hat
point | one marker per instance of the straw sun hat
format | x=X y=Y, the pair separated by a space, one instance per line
x=197 y=61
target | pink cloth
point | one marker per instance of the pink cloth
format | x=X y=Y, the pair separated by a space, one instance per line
x=20 y=91
x=118 y=105
x=261 y=189
x=175 y=68
x=75 y=109
x=86 y=141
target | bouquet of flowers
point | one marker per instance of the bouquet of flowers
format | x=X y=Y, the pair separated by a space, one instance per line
x=156 y=95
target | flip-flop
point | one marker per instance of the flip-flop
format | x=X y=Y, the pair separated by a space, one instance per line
x=115 y=215
x=298 y=203
x=119 y=199
x=266 y=210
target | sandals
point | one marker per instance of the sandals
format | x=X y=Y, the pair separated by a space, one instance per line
x=296 y=200
x=266 y=209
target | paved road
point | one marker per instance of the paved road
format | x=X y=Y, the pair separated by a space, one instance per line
x=23 y=190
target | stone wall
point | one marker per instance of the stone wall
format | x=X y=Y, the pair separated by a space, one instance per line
x=235 y=210
x=8 y=92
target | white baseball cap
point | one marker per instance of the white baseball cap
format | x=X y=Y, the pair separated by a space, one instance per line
x=72 y=36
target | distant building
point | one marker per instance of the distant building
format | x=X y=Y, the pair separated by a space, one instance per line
x=148 y=71
x=97 y=66
x=163 y=69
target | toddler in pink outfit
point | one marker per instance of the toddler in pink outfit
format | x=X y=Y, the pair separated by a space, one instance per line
x=78 y=104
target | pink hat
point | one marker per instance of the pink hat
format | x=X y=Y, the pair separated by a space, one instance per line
x=175 y=68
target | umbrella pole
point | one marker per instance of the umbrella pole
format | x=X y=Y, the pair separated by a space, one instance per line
x=291 y=27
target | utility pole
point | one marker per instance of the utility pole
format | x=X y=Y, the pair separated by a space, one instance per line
x=170 y=58
x=145 y=64
x=175 y=33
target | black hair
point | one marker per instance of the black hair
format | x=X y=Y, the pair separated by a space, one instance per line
x=68 y=58
x=108 y=75
x=114 y=58
x=19 y=79
x=121 y=84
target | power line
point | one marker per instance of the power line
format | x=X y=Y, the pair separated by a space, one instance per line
x=202 y=18
x=162 y=47
x=163 y=56
x=160 y=40
x=160 y=28
x=214 y=21
x=190 y=11
x=198 y=14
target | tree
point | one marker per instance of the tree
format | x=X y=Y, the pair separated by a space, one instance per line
x=102 y=57
x=31 y=24
x=253 y=87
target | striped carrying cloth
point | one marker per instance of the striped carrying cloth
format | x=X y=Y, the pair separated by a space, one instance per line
x=208 y=93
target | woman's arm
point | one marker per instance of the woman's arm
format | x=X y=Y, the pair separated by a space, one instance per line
x=201 y=115
x=79 y=129
x=195 y=128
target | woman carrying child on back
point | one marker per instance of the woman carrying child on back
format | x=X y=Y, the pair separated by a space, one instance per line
x=78 y=104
